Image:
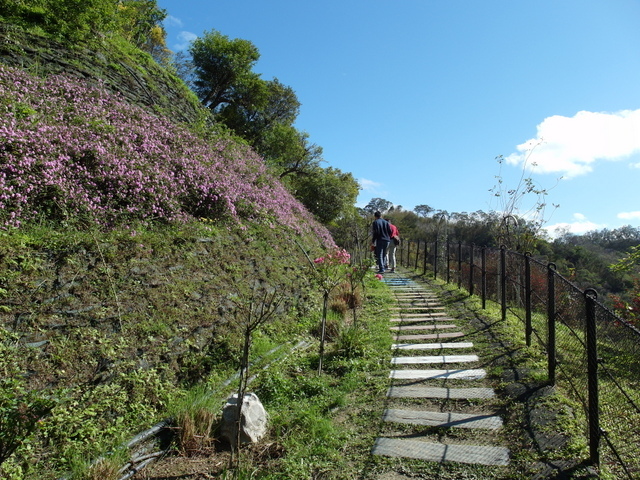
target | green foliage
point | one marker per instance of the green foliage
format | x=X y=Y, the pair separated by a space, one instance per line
x=221 y=66
x=195 y=416
x=328 y=193
x=288 y=152
x=139 y=21
x=378 y=205
x=176 y=326
x=629 y=262
x=256 y=107
x=21 y=412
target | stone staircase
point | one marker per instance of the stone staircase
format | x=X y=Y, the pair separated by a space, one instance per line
x=426 y=404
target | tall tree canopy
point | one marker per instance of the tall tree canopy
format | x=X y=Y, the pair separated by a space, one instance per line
x=288 y=151
x=326 y=192
x=256 y=107
x=223 y=66
x=378 y=205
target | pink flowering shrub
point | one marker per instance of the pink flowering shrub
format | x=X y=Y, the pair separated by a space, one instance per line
x=69 y=151
x=331 y=269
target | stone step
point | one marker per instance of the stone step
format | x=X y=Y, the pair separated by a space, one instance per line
x=434 y=359
x=422 y=315
x=417 y=298
x=404 y=328
x=423 y=318
x=440 y=452
x=430 y=346
x=460 y=374
x=442 y=419
x=415 y=294
x=418 y=391
x=430 y=336
x=417 y=309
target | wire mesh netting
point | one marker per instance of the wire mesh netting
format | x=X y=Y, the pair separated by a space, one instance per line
x=602 y=377
x=619 y=393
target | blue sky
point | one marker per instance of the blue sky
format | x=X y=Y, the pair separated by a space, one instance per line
x=417 y=98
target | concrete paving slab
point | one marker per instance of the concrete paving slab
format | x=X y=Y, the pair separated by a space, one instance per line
x=442 y=419
x=419 y=391
x=430 y=346
x=429 y=336
x=417 y=309
x=434 y=359
x=421 y=315
x=422 y=318
x=459 y=374
x=404 y=328
x=439 y=452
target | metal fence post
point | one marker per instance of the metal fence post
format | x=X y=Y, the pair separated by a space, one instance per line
x=590 y=296
x=503 y=281
x=435 y=259
x=424 y=265
x=406 y=263
x=551 y=322
x=459 y=264
x=473 y=246
x=484 y=277
x=448 y=261
x=527 y=298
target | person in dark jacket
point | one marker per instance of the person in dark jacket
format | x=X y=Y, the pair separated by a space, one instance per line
x=380 y=237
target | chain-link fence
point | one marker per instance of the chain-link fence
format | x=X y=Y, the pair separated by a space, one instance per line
x=593 y=355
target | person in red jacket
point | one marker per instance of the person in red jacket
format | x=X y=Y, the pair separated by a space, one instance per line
x=390 y=256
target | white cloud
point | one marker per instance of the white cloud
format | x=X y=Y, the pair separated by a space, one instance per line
x=369 y=185
x=172 y=21
x=571 y=145
x=185 y=40
x=579 y=226
x=629 y=215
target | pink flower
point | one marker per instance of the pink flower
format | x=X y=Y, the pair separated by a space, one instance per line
x=379 y=277
x=319 y=260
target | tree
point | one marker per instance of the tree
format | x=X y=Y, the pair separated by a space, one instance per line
x=256 y=107
x=423 y=210
x=288 y=151
x=326 y=192
x=140 y=22
x=222 y=66
x=378 y=205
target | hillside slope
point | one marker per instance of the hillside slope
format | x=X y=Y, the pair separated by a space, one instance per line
x=129 y=249
x=125 y=71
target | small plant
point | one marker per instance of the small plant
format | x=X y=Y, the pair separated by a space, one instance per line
x=356 y=277
x=328 y=272
x=253 y=311
x=195 y=418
